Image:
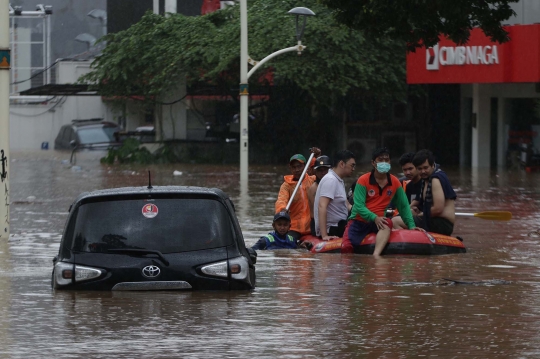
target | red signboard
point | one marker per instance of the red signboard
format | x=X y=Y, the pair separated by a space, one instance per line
x=480 y=60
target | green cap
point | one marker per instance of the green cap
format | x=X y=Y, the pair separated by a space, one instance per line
x=298 y=157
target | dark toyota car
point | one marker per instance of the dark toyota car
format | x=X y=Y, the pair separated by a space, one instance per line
x=153 y=238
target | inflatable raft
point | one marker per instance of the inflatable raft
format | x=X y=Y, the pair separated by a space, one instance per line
x=402 y=241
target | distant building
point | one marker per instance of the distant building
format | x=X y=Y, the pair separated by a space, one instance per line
x=484 y=97
x=45 y=95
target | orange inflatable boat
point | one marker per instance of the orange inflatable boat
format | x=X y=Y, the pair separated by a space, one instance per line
x=402 y=241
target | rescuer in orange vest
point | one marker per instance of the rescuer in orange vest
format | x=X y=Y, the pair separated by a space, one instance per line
x=299 y=208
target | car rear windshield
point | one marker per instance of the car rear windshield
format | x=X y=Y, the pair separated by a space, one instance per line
x=96 y=134
x=166 y=225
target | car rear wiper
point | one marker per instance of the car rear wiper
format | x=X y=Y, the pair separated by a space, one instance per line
x=140 y=251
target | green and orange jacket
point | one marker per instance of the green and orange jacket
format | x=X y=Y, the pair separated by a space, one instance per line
x=299 y=210
x=371 y=201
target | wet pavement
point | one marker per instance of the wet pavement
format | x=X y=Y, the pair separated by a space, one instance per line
x=484 y=303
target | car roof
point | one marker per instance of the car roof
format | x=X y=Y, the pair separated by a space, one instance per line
x=90 y=125
x=94 y=122
x=128 y=191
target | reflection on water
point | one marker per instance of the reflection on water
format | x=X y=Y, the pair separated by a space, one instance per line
x=304 y=305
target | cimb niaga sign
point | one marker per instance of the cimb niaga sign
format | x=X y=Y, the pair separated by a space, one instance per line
x=480 y=60
x=460 y=55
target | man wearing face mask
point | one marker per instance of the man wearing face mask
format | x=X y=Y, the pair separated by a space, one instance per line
x=372 y=195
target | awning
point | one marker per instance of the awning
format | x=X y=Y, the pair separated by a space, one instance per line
x=60 y=90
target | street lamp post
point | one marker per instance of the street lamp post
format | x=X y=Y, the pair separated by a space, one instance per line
x=5 y=64
x=244 y=75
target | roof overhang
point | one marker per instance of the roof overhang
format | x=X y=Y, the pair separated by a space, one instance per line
x=60 y=90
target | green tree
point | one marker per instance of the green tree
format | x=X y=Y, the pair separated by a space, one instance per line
x=311 y=92
x=420 y=22
x=152 y=56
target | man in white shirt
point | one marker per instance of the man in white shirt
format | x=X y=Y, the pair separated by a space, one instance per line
x=321 y=167
x=331 y=207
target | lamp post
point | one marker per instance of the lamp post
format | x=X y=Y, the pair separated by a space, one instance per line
x=5 y=64
x=244 y=75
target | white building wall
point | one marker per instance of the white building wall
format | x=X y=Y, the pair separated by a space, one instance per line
x=527 y=12
x=32 y=124
x=35 y=120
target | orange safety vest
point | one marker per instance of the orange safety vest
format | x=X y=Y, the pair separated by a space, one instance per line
x=395 y=212
x=299 y=209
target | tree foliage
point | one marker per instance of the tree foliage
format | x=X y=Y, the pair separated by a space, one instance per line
x=420 y=22
x=152 y=56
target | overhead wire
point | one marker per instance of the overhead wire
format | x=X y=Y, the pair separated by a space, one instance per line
x=61 y=101
x=45 y=69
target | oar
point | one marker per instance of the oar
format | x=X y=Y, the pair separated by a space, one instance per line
x=492 y=215
x=300 y=181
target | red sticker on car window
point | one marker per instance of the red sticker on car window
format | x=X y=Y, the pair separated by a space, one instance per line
x=150 y=210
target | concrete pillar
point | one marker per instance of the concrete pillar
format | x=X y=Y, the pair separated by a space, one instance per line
x=501 y=121
x=5 y=61
x=170 y=6
x=481 y=127
x=465 y=132
x=174 y=116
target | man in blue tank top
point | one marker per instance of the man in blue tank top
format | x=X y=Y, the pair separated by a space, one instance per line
x=436 y=197
x=279 y=238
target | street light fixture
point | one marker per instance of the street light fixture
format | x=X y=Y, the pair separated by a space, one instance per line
x=303 y=12
x=244 y=76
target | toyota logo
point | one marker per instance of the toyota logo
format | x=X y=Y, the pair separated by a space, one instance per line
x=151 y=271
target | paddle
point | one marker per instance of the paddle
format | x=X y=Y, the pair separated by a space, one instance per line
x=492 y=215
x=300 y=181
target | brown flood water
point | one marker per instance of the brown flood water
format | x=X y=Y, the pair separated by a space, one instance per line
x=304 y=306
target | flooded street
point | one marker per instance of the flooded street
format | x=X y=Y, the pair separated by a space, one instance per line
x=484 y=303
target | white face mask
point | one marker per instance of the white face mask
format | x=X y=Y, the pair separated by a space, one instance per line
x=383 y=167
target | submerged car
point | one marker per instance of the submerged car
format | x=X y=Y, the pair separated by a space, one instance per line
x=87 y=134
x=153 y=238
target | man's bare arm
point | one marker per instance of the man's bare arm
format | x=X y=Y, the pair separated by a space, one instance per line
x=438 y=198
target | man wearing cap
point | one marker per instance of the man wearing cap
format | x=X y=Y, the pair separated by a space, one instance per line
x=331 y=206
x=320 y=168
x=372 y=195
x=279 y=238
x=299 y=208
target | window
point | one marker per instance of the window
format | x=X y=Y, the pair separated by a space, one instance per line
x=96 y=134
x=173 y=225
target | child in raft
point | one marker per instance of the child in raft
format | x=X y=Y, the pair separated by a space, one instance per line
x=278 y=239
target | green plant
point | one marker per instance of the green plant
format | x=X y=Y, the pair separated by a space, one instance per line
x=129 y=152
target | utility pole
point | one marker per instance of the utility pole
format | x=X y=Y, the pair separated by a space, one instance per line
x=244 y=93
x=5 y=64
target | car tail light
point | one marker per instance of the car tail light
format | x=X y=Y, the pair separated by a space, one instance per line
x=216 y=270
x=86 y=273
x=67 y=273
x=237 y=267
x=63 y=273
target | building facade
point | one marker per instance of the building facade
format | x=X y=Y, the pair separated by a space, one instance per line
x=498 y=86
